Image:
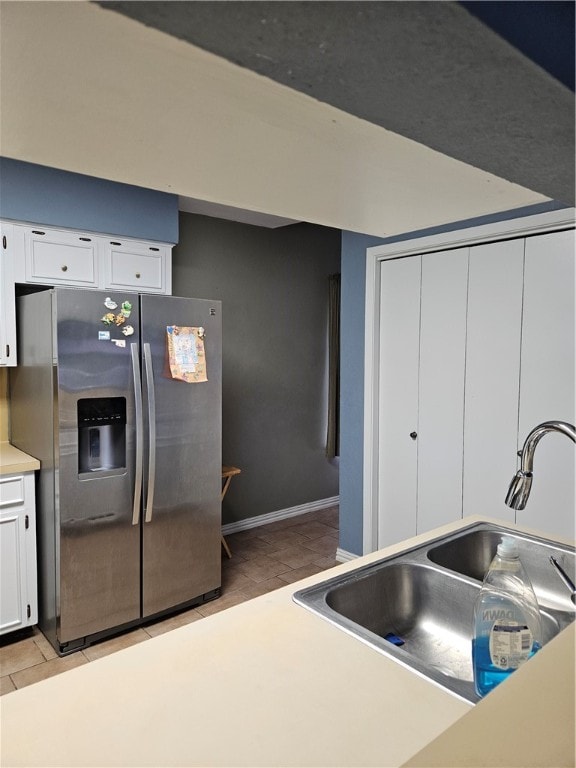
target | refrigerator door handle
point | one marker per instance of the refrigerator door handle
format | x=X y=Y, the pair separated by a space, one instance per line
x=151 y=432
x=139 y=433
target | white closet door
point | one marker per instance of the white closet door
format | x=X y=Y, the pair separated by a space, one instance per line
x=441 y=396
x=492 y=376
x=398 y=399
x=547 y=383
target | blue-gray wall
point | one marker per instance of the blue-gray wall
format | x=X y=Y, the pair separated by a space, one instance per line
x=352 y=367
x=353 y=292
x=42 y=195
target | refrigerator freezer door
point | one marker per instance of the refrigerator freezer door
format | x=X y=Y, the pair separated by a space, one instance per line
x=98 y=548
x=181 y=532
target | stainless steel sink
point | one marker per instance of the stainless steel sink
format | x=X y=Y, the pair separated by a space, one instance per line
x=417 y=607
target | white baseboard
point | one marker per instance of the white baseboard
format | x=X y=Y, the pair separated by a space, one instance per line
x=342 y=556
x=281 y=514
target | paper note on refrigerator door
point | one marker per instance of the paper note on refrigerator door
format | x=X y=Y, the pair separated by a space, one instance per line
x=186 y=354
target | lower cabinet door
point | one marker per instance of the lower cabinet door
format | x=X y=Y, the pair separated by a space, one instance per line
x=18 y=570
x=13 y=603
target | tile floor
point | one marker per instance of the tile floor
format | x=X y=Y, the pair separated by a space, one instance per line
x=263 y=559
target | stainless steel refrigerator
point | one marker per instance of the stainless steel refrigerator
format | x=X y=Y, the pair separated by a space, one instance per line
x=127 y=426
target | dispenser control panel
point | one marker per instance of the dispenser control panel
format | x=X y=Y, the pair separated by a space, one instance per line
x=101 y=435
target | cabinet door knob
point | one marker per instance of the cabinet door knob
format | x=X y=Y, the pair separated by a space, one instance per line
x=64 y=268
x=137 y=275
x=413 y=435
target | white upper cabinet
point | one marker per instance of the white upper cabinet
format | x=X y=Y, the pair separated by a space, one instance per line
x=7 y=300
x=49 y=256
x=58 y=257
x=130 y=265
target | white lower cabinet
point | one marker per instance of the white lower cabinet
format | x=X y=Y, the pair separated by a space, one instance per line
x=476 y=347
x=18 y=570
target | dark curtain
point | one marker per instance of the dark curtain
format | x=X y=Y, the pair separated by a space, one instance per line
x=333 y=436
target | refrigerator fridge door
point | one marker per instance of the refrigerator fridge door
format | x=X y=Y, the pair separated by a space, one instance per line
x=182 y=466
x=98 y=548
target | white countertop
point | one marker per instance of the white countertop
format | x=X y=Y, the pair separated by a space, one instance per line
x=13 y=460
x=268 y=683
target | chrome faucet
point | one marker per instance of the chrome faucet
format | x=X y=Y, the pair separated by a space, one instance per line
x=521 y=484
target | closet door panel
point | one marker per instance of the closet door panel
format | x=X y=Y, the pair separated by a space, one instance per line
x=492 y=376
x=398 y=399
x=547 y=386
x=441 y=395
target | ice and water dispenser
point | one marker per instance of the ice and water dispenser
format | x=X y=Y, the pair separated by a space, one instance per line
x=101 y=435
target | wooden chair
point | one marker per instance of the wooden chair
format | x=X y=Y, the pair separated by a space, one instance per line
x=227 y=475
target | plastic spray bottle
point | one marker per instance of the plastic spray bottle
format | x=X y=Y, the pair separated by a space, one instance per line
x=507 y=624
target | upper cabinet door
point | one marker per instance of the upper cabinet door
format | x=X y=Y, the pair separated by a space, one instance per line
x=58 y=257
x=492 y=376
x=547 y=390
x=7 y=297
x=131 y=265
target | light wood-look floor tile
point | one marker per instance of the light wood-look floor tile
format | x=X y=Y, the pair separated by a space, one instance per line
x=105 y=647
x=325 y=545
x=262 y=568
x=313 y=530
x=263 y=587
x=282 y=539
x=300 y=573
x=48 y=669
x=296 y=556
x=172 y=622
x=19 y=655
x=6 y=685
x=226 y=601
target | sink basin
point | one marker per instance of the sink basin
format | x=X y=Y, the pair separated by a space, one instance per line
x=470 y=553
x=417 y=607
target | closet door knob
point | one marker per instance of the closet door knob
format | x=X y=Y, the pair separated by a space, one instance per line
x=413 y=435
